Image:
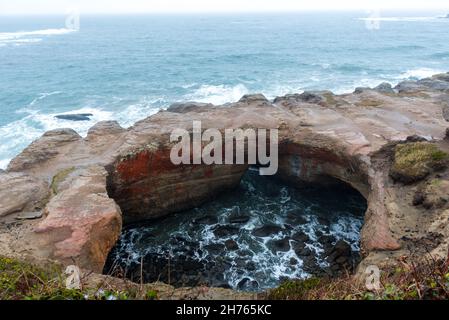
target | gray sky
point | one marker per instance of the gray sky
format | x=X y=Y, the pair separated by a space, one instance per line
x=177 y=6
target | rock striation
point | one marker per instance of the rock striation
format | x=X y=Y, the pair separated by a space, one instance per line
x=85 y=188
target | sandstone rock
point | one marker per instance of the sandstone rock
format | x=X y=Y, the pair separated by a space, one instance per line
x=20 y=192
x=104 y=128
x=446 y=115
x=408 y=86
x=147 y=184
x=254 y=98
x=435 y=194
x=434 y=84
x=43 y=149
x=360 y=90
x=30 y=215
x=312 y=97
x=185 y=107
x=81 y=223
x=441 y=77
x=385 y=87
x=339 y=140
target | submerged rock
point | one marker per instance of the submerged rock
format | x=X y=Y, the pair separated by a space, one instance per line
x=75 y=117
x=267 y=231
x=282 y=245
x=340 y=257
x=231 y=245
x=208 y=220
x=225 y=231
x=216 y=248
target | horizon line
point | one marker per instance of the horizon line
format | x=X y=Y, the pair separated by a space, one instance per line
x=335 y=10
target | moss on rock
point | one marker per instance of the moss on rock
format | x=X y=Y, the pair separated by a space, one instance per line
x=415 y=161
x=60 y=177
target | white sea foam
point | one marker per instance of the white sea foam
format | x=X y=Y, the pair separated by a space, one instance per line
x=220 y=94
x=419 y=73
x=22 y=34
x=399 y=19
x=18 y=134
x=22 y=37
x=138 y=111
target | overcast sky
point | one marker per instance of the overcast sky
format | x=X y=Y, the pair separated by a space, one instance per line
x=177 y=6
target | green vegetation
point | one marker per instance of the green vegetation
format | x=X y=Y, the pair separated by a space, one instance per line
x=406 y=281
x=369 y=103
x=60 y=177
x=22 y=281
x=415 y=161
x=294 y=289
x=330 y=98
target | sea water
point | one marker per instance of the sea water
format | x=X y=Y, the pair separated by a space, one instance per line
x=126 y=68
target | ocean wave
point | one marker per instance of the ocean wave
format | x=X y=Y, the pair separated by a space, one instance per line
x=440 y=55
x=419 y=73
x=219 y=94
x=138 y=111
x=18 y=134
x=21 y=37
x=399 y=19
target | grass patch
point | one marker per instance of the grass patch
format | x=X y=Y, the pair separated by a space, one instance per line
x=23 y=281
x=330 y=98
x=369 y=103
x=428 y=280
x=415 y=161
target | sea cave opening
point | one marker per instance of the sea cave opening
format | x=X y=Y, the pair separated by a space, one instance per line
x=251 y=238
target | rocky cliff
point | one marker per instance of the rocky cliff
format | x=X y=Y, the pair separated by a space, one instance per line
x=65 y=197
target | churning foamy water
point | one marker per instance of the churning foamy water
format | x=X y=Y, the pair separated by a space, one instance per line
x=129 y=67
x=251 y=239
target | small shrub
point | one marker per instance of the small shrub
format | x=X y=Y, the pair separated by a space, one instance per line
x=415 y=161
x=151 y=295
x=294 y=289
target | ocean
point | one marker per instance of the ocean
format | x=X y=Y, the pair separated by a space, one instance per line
x=126 y=68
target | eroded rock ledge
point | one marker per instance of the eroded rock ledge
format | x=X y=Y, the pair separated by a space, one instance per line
x=64 y=197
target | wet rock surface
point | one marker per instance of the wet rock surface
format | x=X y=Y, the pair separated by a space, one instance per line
x=75 y=117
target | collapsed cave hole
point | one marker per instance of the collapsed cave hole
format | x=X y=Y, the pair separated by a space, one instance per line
x=250 y=238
